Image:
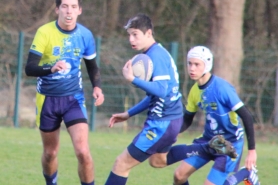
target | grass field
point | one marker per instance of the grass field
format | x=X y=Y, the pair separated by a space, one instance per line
x=20 y=152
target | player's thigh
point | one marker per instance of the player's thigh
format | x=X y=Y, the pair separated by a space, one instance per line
x=50 y=141
x=75 y=110
x=189 y=166
x=158 y=160
x=224 y=165
x=47 y=118
x=124 y=162
x=157 y=136
x=79 y=136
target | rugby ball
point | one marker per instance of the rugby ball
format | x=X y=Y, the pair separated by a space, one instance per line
x=142 y=66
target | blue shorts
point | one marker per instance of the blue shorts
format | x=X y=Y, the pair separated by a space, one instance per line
x=155 y=137
x=51 y=110
x=223 y=165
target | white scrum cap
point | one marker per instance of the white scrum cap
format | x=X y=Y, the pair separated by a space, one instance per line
x=202 y=53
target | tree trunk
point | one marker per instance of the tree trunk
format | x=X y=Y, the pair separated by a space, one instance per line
x=226 y=38
x=112 y=15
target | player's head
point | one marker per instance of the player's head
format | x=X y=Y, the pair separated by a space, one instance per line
x=141 y=22
x=140 y=30
x=200 y=59
x=68 y=12
x=59 y=2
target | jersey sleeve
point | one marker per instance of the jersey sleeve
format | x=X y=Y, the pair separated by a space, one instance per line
x=90 y=50
x=193 y=99
x=228 y=96
x=39 y=43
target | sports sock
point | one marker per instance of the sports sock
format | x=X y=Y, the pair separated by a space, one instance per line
x=114 y=179
x=186 y=183
x=237 y=177
x=180 y=152
x=51 y=180
x=91 y=183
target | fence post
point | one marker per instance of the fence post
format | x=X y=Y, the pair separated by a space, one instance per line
x=174 y=48
x=276 y=101
x=19 y=75
x=93 y=107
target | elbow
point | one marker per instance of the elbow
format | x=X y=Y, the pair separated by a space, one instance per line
x=27 y=71
x=161 y=93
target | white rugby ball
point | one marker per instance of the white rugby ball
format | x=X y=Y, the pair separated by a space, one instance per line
x=142 y=66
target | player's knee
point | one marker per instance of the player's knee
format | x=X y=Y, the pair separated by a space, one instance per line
x=120 y=164
x=180 y=177
x=50 y=155
x=157 y=163
x=83 y=156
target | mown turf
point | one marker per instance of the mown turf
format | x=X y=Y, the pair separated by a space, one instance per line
x=20 y=153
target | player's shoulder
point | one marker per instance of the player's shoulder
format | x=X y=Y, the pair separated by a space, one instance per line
x=223 y=88
x=221 y=82
x=158 y=52
x=48 y=26
x=84 y=29
x=194 y=89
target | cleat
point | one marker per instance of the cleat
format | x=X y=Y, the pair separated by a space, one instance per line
x=221 y=146
x=253 y=178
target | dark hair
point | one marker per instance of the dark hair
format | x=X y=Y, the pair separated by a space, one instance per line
x=59 y=2
x=141 y=22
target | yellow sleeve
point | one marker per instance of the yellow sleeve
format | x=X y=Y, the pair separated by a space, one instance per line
x=39 y=42
x=193 y=99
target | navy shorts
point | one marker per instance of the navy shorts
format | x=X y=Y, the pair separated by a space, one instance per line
x=223 y=165
x=52 y=110
x=155 y=137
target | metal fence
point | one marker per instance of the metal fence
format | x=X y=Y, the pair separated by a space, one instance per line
x=17 y=108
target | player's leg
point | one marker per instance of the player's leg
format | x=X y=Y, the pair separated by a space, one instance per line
x=49 y=125
x=147 y=143
x=224 y=165
x=128 y=159
x=164 y=153
x=187 y=167
x=79 y=137
x=167 y=155
x=75 y=118
x=50 y=141
x=244 y=175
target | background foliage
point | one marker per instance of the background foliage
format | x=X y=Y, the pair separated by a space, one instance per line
x=185 y=22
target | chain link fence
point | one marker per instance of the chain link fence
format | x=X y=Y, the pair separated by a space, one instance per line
x=258 y=83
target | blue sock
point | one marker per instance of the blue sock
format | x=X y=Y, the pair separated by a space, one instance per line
x=114 y=179
x=180 y=152
x=186 y=183
x=51 y=180
x=91 y=183
x=237 y=177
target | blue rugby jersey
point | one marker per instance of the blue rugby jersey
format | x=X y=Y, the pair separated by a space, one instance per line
x=164 y=69
x=219 y=101
x=54 y=44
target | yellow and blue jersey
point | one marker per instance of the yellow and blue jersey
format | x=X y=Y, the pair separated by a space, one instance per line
x=219 y=101
x=54 y=44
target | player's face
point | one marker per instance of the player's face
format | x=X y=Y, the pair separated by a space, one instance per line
x=195 y=68
x=68 y=12
x=138 y=40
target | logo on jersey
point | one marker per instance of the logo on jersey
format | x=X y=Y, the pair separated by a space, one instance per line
x=76 y=51
x=67 y=70
x=33 y=46
x=213 y=106
x=56 y=51
x=212 y=122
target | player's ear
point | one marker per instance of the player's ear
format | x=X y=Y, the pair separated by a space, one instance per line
x=57 y=10
x=80 y=11
x=149 y=32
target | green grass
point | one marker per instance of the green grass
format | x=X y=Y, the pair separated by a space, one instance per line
x=20 y=153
